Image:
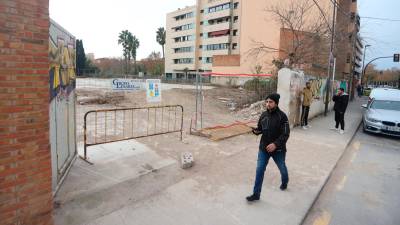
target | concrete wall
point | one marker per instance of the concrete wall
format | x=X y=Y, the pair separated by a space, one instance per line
x=25 y=159
x=230 y=80
x=290 y=86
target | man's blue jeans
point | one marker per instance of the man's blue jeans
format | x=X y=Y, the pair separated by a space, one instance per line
x=262 y=162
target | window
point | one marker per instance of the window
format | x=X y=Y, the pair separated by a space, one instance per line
x=184 y=16
x=184 y=27
x=200 y=58
x=219 y=8
x=235 y=6
x=183 y=49
x=235 y=32
x=201 y=34
x=207 y=60
x=183 y=61
x=234 y=46
x=200 y=46
x=184 y=38
x=202 y=11
x=214 y=47
x=201 y=23
x=235 y=19
x=386 y=105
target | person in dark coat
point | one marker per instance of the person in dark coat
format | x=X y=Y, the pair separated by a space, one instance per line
x=274 y=127
x=341 y=100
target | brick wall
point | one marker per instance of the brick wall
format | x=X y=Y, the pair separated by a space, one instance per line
x=226 y=60
x=25 y=167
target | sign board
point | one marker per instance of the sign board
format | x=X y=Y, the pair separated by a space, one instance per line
x=396 y=57
x=153 y=90
x=127 y=84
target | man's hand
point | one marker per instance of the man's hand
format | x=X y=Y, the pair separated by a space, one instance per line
x=271 y=148
x=255 y=131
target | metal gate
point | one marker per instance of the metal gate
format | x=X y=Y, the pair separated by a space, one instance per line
x=112 y=125
x=62 y=102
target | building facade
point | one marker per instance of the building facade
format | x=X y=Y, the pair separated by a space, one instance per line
x=222 y=37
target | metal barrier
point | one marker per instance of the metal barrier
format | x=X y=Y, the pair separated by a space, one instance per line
x=112 y=125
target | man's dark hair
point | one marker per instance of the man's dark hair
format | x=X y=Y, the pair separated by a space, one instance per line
x=342 y=89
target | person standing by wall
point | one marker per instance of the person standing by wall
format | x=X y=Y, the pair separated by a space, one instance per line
x=341 y=100
x=274 y=127
x=305 y=108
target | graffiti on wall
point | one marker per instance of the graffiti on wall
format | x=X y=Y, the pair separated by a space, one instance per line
x=62 y=63
x=317 y=87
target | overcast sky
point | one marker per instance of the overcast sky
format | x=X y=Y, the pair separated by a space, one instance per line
x=98 y=23
x=383 y=36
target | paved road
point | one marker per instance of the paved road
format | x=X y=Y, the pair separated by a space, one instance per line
x=364 y=188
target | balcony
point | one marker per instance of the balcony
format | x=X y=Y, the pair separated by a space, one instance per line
x=211 y=53
x=182 y=55
x=219 y=14
x=181 y=44
x=215 y=27
x=215 y=40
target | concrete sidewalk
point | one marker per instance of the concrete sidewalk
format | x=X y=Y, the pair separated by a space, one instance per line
x=216 y=193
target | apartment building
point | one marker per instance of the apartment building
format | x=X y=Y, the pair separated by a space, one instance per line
x=348 y=42
x=213 y=36
x=219 y=36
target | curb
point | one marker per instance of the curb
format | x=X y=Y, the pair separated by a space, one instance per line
x=329 y=175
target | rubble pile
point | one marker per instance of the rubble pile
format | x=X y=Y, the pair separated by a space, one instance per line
x=112 y=98
x=252 y=112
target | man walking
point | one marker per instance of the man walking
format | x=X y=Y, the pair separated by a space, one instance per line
x=305 y=107
x=341 y=100
x=274 y=127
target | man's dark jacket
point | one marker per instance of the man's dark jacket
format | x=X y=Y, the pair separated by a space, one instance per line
x=341 y=102
x=274 y=127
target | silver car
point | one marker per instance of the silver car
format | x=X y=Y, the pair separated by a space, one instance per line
x=382 y=114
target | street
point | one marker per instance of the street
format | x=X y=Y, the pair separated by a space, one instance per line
x=363 y=188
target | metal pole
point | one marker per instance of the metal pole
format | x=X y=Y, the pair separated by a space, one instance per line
x=197 y=98
x=328 y=81
x=365 y=50
x=334 y=71
x=351 y=86
x=201 y=101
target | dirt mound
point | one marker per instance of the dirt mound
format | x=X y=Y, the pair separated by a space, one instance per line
x=109 y=98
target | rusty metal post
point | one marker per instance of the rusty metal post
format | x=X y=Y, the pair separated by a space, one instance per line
x=181 y=123
x=115 y=138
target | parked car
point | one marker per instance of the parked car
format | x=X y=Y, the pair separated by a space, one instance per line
x=382 y=93
x=382 y=114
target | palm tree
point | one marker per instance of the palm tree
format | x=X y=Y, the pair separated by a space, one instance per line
x=161 y=38
x=133 y=46
x=125 y=38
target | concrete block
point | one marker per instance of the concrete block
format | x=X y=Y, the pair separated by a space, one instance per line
x=187 y=160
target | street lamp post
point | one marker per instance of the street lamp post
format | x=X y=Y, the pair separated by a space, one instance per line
x=383 y=57
x=362 y=72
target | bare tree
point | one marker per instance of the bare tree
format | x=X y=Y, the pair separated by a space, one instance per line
x=304 y=35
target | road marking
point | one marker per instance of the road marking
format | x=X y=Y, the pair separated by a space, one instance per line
x=324 y=219
x=353 y=156
x=341 y=183
x=357 y=145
